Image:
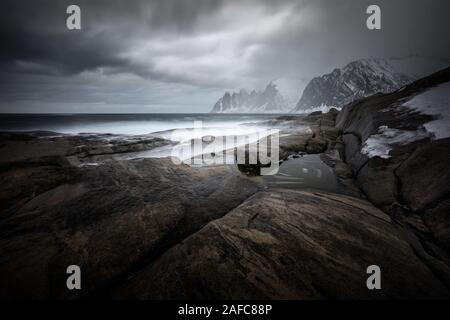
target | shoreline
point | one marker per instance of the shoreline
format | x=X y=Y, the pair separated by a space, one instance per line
x=145 y=228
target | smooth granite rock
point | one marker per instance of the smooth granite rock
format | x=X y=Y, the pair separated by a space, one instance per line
x=284 y=244
x=108 y=218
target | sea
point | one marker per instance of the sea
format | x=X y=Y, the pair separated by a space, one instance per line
x=307 y=171
x=130 y=124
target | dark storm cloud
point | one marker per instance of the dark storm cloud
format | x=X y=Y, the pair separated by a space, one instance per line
x=35 y=32
x=146 y=52
x=37 y=40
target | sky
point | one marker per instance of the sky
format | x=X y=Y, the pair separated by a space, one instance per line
x=182 y=55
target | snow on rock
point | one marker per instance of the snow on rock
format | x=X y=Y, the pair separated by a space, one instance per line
x=435 y=102
x=379 y=145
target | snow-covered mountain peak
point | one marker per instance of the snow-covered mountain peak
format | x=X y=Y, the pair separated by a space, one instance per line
x=356 y=80
x=268 y=101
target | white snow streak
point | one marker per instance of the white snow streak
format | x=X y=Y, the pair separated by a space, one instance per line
x=379 y=145
x=435 y=102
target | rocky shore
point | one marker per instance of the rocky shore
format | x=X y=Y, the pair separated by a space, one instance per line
x=145 y=228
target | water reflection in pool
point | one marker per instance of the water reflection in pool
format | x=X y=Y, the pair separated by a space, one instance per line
x=307 y=171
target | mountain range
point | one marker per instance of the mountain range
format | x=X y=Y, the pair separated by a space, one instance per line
x=358 y=79
x=268 y=101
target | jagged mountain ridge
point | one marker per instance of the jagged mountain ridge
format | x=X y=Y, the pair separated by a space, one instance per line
x=268 y=101
x=356 y=80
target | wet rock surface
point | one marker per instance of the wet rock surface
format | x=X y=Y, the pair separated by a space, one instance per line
x=343 y=170
x=147 y=228
x=41 y=147
x=400 y=178
x=426 y=166
x=285 y=244
x=412 y=184
x=108 y=218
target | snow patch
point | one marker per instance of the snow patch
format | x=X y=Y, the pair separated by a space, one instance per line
x=434 y=102
x=379 y=145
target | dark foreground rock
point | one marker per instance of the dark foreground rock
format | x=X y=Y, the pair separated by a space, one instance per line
x=320 y=136
x=412 y=183
x=110 y=219
x=107 y=219
x=284 y=244
x=42 y=147
x=147 y=228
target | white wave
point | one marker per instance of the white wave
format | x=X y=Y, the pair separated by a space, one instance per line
x=323 y=108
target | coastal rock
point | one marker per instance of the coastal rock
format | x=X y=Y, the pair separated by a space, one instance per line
x=342 y=170
x=352 y=151
x=285 y=244
x=43 y=147
x=330 y=133
x=208 y=139
x=109 y=219
x=426 y=166
x=437 y=220
x=316 y=145
x=398 y=175
x=293 y=144
x=400 y=166
x=323 y=119
x=378 y=181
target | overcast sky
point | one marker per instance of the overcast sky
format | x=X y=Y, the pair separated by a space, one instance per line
x=182 y=55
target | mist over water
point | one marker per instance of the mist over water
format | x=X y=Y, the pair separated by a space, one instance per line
x=132 y=124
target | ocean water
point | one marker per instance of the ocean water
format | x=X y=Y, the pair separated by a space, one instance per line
x=132 y=124
x=304 y=172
